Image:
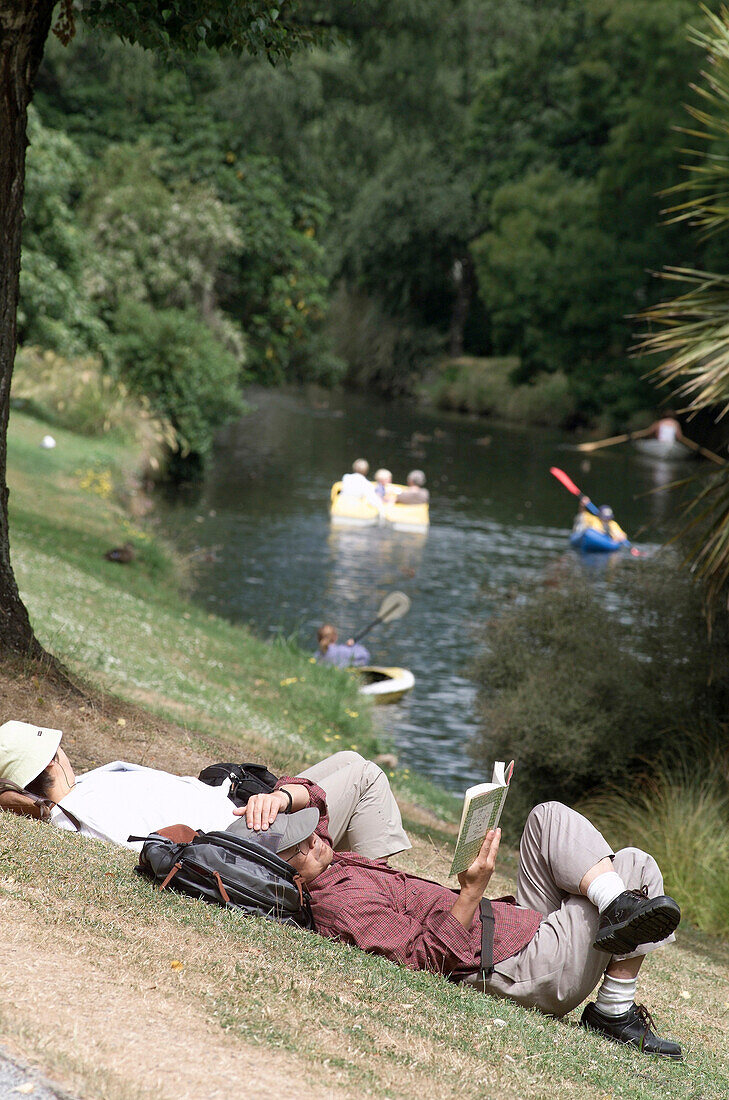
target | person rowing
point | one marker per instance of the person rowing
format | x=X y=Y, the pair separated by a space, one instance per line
x=331 y=652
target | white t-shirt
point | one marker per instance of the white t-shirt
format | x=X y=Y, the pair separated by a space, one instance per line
x=357 y=485
x=121 y=800
x=666 y=431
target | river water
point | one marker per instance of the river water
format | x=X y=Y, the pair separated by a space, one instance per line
x=497 y=518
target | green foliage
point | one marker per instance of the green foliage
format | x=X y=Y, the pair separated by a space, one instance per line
x=529 y=138
x=381 y=352
x=581 y=689
x=255 y=26
x=215 y=224
x=406 y=228
x=277 y=284
x=79 y=395
x=55 y=308
x=158 y=244
x=691 y=336
x=573 y=133
x=486 y=386
x=170 y=357
x=680 y=814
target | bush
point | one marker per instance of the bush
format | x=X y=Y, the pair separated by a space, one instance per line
x=582 y=695
x=173 y=359
x=486 y=386
x=76 y=394
x=681 y=816
x=381 y=353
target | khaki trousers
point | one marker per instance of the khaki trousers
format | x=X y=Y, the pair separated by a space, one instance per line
x=559 y=968
x=363 y=814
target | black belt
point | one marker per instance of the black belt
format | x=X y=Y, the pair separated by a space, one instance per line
x=487 y=939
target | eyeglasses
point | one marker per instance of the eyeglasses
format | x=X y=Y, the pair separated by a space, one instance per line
x=296 y=852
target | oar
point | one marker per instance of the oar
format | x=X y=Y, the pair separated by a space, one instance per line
x=394 y=606
x=612 y=440
x=572 y=488
x=701 y=450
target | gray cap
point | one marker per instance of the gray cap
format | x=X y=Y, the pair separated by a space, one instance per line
x=287 y=830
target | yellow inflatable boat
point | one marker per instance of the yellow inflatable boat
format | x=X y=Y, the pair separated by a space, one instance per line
x=353 y=512
x=384 y=685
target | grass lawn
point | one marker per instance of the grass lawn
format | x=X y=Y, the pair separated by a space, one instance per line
x=116 y=990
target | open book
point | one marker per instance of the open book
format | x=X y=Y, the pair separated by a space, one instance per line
x=482 y=808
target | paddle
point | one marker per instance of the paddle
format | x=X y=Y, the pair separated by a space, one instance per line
x=394 y=606
x=612 y=440
x=572 y=488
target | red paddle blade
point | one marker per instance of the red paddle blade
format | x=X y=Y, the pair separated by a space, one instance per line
x=566 y=481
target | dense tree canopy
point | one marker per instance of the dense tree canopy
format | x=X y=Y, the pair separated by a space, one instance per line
x=481 y=175
x=255 y=26
x=523 y=146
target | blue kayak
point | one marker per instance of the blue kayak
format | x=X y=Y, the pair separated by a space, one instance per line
x=591 y=541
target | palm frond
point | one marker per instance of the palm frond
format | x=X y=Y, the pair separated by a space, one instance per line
x=693 y=340
x=708 y=206
x=690 y=332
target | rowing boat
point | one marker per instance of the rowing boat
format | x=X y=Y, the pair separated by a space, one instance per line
x=348 y=511
x=664 y=450
x=384 y=685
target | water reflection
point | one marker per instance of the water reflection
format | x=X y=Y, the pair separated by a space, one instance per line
x=367 y=562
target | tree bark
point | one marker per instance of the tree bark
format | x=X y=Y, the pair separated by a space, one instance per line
x=462 y=275
x=24 y=28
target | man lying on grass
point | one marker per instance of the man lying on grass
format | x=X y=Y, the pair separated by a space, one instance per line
x=582 y=912
x=120 y=799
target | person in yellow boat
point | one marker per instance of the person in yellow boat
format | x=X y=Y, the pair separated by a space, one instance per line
x=383 y=485
x=357 y=487
x=416 y=493
x=330 y=652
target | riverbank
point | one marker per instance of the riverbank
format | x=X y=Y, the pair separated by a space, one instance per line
x=484 y=386
x=145 y=995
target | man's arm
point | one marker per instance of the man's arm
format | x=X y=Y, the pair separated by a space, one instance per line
x=475 y=879
x=261 y=810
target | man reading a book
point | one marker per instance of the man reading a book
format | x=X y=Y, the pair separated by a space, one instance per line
x=582 y=914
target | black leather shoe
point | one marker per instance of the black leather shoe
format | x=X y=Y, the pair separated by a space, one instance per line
x=633 y=918
x=634 y=1027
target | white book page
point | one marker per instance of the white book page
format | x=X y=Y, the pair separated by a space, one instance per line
x=482 y=808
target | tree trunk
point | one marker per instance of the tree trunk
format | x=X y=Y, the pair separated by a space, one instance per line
x=462 y=275
x=24 y=28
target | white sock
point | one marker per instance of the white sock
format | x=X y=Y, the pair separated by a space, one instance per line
x=616 y=995
x=604 y=889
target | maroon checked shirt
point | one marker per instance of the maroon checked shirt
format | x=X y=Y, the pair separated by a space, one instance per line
x=405 y=918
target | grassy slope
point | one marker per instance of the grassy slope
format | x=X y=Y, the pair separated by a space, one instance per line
x=175 y=687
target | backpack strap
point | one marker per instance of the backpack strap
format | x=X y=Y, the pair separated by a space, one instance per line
x=71 y=817
x=487 y=938
x=17 y=800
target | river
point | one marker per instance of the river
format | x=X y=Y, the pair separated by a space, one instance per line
x=497 y=518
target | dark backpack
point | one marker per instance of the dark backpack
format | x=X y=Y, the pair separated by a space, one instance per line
x=245 y=780
x=224 y=868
